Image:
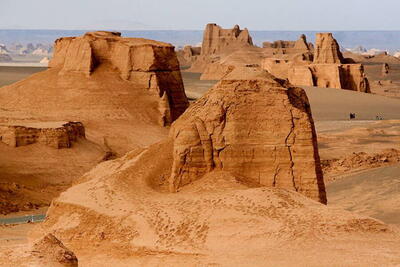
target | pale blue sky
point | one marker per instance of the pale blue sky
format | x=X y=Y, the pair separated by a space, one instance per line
x=188 y=14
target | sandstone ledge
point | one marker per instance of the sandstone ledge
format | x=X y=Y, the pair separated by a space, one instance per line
x=53 y=134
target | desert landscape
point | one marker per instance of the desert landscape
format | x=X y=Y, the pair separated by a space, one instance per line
x=198 y=148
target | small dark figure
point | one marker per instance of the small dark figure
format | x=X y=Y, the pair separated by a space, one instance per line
x=352 y=116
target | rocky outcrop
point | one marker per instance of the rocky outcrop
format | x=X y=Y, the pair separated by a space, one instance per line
x=281 y=47
x=217 y=40
x=118 y=87
x=150 y=64
x=324 y=68
x=254 y=127
x=219 y=43
x=188 y=55
x=327 y=50
x=49 y=251
x=57 y=135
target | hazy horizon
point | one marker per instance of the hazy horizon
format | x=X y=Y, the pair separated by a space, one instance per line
x=256 y=15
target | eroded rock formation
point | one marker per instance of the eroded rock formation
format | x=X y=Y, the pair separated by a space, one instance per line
x=324 y=67
x=217 y=40
x=327 y=50
x=148 y=63
x=253 y=127
x=116 y=86
x=219 y=43
x=49 y=251
x=57 y=135
x=229 y=155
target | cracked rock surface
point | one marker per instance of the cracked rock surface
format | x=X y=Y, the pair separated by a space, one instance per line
x=257 y=128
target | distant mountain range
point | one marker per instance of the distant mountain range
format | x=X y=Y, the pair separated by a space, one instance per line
x=383 y=40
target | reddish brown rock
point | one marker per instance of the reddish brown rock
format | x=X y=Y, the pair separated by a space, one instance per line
x=49 y=251
x=116 y=86
x=324 y=68
x=57 y=135
x=254 y=127
x=217 y=40
x=327 y=50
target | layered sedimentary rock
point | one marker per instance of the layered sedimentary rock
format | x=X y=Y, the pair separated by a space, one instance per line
x=151 y=64
x=219 y=43
x=281 y=47
x=253 y=127
x=188 y=55
x=116 y=86
x=324 y=67
x=229 y=155
x=57 y=135
x=327 y=50
x=216 y=39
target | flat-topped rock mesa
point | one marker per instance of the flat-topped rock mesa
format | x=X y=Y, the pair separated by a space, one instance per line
x=146 y=63
x=254 y=127
x=327 y=50
x=118 y=87
x=56 y=134
x=218 y=40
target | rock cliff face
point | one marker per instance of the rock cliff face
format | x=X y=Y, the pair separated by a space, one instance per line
x=118 y=87
x=58 y=135
x=254 y=127
x=216 y=39
x=323 y=66
x=151 y=64
x=327 y=50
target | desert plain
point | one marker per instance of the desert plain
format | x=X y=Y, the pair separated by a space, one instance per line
x=227 y=154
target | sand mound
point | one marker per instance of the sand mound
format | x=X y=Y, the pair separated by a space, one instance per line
x=123 y=207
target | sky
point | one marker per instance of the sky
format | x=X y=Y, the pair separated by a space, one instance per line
x=281 y=15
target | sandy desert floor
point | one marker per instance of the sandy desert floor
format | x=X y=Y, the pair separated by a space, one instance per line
x=372 y=192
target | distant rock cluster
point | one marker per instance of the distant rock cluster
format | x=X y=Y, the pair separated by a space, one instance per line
x=299 y=62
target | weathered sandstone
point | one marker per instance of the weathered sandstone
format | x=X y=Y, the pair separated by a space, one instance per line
x=219 y=43
x=118 y=87
x=223 y=156
x=57 y=135
x=151 y=64
x=327 y=50
x=49 y=251
x=217 y=40
x=254 y=127
x=188 y=55
x=325 y=68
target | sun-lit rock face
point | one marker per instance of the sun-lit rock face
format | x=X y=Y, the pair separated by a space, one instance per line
x=254 y=127
x=147 y=63
x=216 y=39
x=327 y=50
